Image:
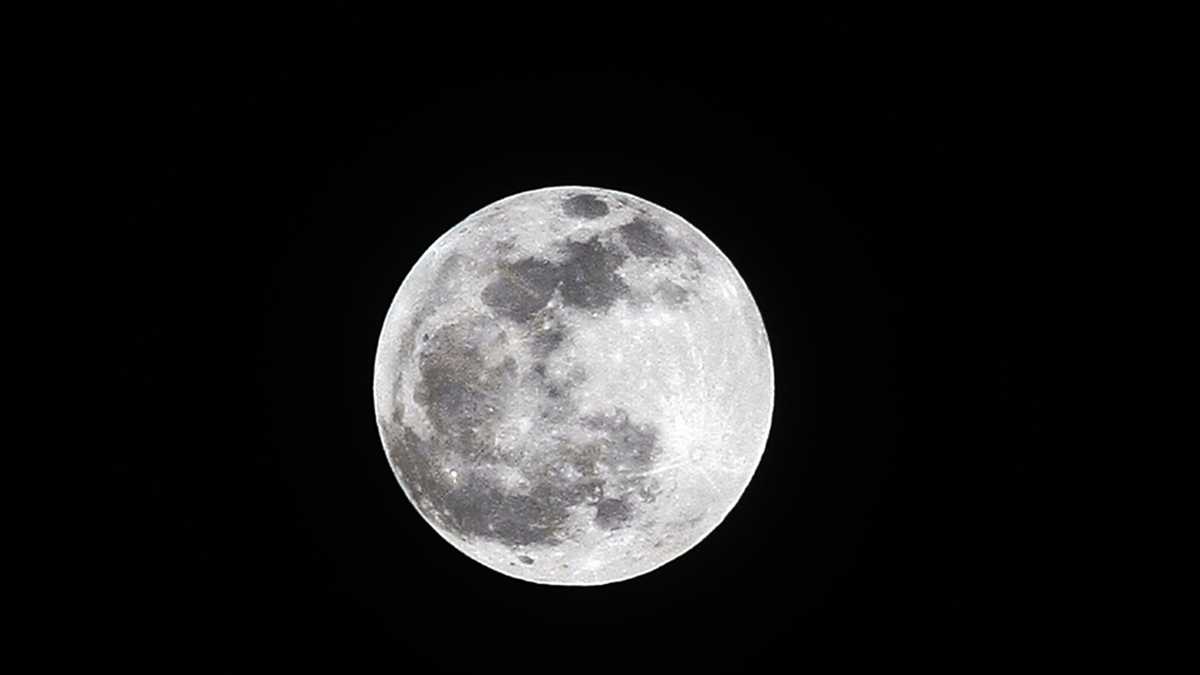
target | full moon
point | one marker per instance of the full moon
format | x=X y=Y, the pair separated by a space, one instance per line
x=573 y=386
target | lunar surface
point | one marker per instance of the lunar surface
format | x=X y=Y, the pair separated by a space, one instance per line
x=573 y=386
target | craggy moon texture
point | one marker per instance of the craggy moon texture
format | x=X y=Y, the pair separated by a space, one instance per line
x=573 y=386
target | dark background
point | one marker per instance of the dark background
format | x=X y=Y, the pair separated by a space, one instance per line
x=276 y=177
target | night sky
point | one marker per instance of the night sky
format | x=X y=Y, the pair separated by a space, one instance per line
x=276 y=177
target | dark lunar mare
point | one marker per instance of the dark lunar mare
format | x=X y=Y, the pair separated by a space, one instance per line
x=473 y=506
x=585 y=206
x=464 y=399
x=646 y=239
x=459 y=393
x=587 y=278
x=629 y=450
x=611 y=514
x=522 y=288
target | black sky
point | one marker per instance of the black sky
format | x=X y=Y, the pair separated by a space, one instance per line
x=277 y=176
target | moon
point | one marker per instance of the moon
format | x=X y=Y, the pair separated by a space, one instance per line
x=573 y=386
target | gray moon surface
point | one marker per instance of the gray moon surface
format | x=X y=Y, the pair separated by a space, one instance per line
x=573 y=386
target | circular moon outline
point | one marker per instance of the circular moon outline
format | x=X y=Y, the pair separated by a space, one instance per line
x=384 y=374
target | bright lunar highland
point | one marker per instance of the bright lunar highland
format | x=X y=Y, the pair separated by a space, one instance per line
x=573 y=386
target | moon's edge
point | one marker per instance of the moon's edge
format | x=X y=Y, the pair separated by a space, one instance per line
x=431 y=251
